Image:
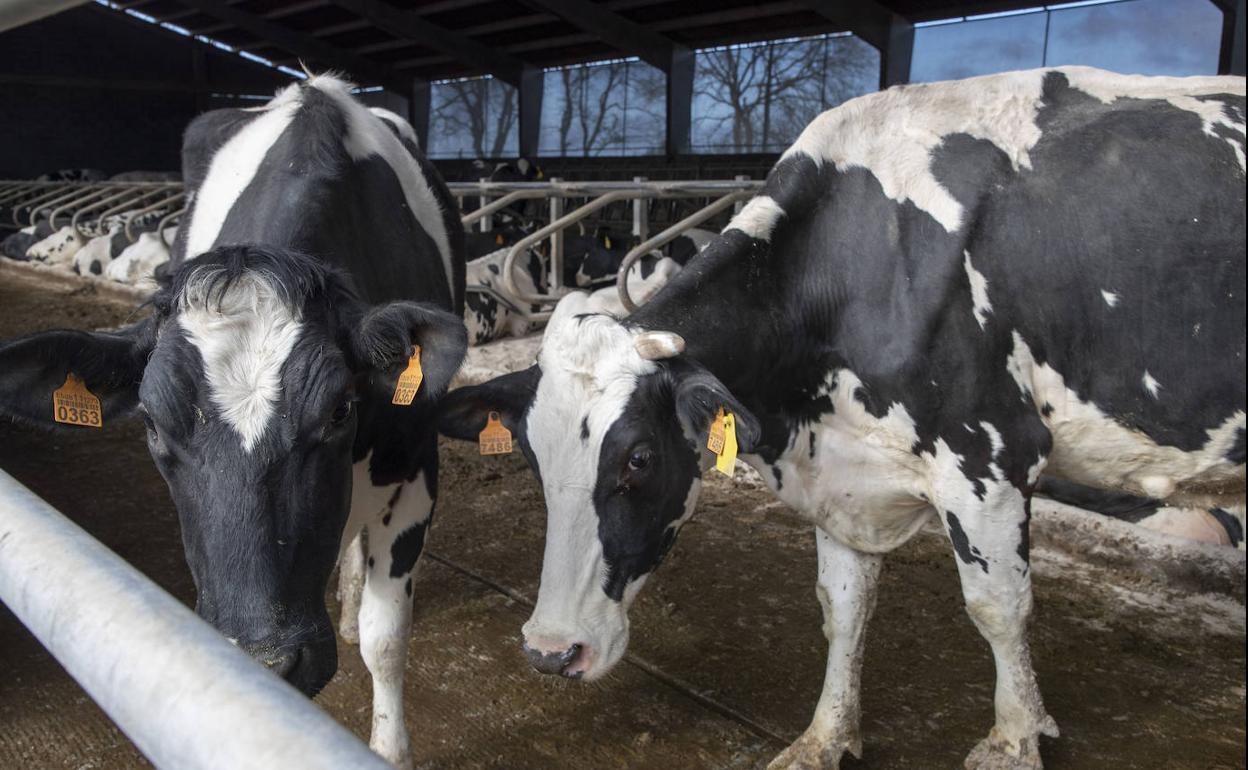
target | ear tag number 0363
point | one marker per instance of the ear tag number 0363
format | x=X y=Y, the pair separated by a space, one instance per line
x=722 y=440
x=409 y=381
x=73 y=404
x=495 y=439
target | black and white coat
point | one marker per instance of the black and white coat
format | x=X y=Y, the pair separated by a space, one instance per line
x=319 y=248
x=942 y=291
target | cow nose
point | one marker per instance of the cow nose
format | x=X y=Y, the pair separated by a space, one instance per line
x=553 y=662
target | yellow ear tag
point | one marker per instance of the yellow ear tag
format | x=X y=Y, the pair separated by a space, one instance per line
x=73 y=404
x=726 y=462
x=495 y=439
x=409 y=381
x=607 y=241
x=715 y=439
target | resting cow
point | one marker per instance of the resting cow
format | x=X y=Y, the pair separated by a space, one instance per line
x=319 y=249
x=941 y=291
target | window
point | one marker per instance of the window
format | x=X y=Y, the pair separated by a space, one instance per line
x=1148 y=37
x=759 y=97
x=473 y=118
x=603 y=108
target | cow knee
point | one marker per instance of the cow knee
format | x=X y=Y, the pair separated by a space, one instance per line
x=999 y=615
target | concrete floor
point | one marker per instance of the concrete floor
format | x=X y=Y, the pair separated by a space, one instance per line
x=727 y=656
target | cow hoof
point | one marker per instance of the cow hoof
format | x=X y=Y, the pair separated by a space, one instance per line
x=997 y=753
x=816 y=752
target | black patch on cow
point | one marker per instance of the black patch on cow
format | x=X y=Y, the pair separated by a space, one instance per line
x=394 y=497
x=96 y=268
x=371 y=562
x=585 y=429
x=1236 y=454
x=812 y=445
x=775 y=471
x=635 y=507
x=962 y=545
x=407 y=587
x=385 y=520
x=1047 y=409
x=1234 y=530
x=493 y=268
x=406 y=550
x=1118 y=505
x=1024 y=533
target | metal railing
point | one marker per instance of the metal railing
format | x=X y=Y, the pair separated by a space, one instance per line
x=184 y=695
x=493 y=197
x=89 y=204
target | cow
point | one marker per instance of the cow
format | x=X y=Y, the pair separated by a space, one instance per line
x=99 y=252
x=139 y=260
x=16 y=244
x=318 y=252
x=941 y=291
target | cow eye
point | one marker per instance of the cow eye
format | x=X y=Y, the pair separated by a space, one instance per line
x=342 y=412
x=640 y=459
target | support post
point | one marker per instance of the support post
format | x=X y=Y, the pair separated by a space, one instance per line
x=418 y=111
x=532 y=84
x=896 y=53
x=679 y=101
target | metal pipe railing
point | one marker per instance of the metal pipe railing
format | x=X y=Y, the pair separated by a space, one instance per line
x=184 y=695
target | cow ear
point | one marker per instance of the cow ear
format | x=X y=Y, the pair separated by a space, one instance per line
x=699 y=396
x=110 y=364
x=381 y=344
x=463 y=413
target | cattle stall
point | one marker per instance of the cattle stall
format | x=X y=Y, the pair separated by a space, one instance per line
x=399 y=340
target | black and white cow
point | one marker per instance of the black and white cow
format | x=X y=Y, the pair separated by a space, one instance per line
x=941 y=291
x=319 y=248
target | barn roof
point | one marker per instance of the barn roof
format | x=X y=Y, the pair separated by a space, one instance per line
x=389 y=43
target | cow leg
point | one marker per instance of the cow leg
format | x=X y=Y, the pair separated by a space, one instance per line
x=394 y=545
x=351 y=588
x=992 y=556
x=846 y=589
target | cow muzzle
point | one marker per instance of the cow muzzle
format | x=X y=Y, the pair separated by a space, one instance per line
x=570 y=662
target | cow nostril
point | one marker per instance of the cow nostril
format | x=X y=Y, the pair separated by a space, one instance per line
x=551 y=662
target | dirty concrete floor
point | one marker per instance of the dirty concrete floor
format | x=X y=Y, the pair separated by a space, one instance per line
x=727 y=654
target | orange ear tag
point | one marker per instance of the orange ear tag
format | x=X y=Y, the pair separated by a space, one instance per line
x=73 y=404
x=495 y=439
x=409 y=381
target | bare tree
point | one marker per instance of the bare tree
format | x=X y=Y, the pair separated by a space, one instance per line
x=590 y=104
x=483 y=109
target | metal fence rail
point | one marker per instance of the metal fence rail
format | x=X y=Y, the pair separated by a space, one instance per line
x=185 y=696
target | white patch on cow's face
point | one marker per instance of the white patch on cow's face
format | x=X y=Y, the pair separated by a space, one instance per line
x=758 y=218
x=233 y=167
x=244 y=340
x=1001 y=109
x=981 y=305
x=1151 y=385
x=1111 y=298
x=589 y=371
x=368 y=137
x=1091 y=448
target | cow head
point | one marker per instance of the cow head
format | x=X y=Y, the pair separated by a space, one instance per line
x=252 y=376
x=613 y=420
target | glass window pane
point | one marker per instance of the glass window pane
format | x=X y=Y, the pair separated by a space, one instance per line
x=759 y=97
x=979 y=47
x=473 y=118
x=603 y=108
x=1145 y=37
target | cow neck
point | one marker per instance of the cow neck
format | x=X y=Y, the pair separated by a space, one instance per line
x=726 y=307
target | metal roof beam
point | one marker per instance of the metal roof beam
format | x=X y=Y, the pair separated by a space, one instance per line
x=617 y=31
x=302 y=45
x=410 y=26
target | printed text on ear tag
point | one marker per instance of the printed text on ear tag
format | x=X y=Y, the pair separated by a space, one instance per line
x=715 y=439
x=73 y=404
x=409 y=381
x=495 y=439
x=727 y=460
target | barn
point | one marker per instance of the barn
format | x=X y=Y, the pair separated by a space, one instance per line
x=956 y=286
